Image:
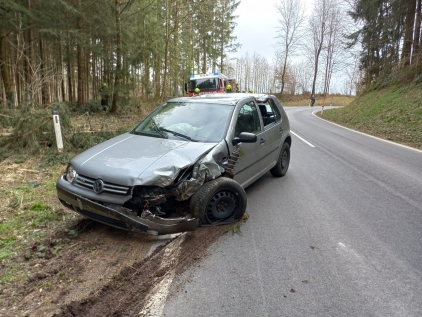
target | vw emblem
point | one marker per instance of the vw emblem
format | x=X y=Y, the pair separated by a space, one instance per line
x=98 y=186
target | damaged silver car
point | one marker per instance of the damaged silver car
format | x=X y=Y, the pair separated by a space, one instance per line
x=186 y=164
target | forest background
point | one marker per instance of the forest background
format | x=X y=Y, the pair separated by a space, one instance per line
x=64 y=50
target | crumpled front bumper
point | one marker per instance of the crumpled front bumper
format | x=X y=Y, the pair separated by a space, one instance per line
x=147 y=223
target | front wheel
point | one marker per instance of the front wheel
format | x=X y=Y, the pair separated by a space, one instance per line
x=280 y=169
x=219 y=201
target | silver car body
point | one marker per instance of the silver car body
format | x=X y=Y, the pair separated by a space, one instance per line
x=109 y=175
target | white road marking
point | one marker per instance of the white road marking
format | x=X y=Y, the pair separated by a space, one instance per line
x=309 y=143
x=161 y=240
x=154 y=306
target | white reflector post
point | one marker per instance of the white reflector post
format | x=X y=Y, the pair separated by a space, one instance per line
x=57 y=130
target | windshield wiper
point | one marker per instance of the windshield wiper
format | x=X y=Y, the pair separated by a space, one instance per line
x=179 y=134
x=159 y=130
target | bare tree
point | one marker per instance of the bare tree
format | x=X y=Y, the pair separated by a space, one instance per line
x=333 y=43
x=290 y=32
x=252 y=72
x=318 y=28
x=417 y=35
x=303 y=75
x=408 y=32
x=353 y=76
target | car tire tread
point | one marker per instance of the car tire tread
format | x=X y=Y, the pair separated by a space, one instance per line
x=280 y=169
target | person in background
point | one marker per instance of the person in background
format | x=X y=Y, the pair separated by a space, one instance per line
x=237 y=87
x=251 y=91
x=197 y=91
x=312 y=100
x=104 y=96
x=229 y=88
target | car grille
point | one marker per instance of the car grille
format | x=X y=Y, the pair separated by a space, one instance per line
x=88 y=183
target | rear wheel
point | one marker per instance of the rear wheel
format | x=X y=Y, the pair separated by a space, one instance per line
x=280 y=169
x=219 y=201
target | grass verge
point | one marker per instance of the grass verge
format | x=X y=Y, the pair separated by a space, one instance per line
x=30 y=213
x=393 y=113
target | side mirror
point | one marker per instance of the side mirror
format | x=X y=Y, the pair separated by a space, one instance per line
x=245 y=137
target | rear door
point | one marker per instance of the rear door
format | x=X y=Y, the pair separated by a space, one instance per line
x=273 y=131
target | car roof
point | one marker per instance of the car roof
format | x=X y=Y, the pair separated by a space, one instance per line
x=222 y=98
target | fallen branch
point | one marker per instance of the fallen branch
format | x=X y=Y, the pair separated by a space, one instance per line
x=25 y=135
x=86 y=113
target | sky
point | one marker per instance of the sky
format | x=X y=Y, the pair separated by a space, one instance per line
x=256 y=27
x=256 y=31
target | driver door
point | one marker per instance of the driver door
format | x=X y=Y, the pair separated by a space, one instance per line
x=250 y=164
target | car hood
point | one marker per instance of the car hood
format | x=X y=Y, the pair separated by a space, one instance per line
x=131 y=159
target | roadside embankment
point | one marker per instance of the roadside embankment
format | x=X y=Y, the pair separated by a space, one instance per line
x=393 y=113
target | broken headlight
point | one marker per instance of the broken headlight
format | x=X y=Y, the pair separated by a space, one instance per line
x=70 y=174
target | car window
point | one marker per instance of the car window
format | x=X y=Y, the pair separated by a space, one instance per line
x=203 y=122
x=269 y=112
x=275 y=110
x=248 y=119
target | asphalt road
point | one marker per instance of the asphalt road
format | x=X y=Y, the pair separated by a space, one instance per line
x=339 y=235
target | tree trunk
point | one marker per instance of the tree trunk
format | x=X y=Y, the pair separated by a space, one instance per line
x=118 y=75
x=166 y=48
x=80 y=58
x=407 y=41
x=283 y=72
x=157 y=74
x=69 y=73
x=318 y=53
x=44 y=93
x=222 y=52
x=94 y=81
x=175 y=59
x=417 y=35
x=61 y=68
x=29 y=55
x=5 y=71
x=204 y=55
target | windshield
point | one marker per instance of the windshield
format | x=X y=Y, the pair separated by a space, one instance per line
x=205 y=84
x=201 y=122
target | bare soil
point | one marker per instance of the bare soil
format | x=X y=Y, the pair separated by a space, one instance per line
x=86 y=268
x=103 y=272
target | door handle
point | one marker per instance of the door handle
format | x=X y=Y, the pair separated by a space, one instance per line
x=262 y=141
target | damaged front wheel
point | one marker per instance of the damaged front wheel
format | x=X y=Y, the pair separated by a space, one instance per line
x=219 y=201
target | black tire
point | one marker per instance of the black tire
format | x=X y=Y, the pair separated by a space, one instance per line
x=280 y=169
x=219 y=201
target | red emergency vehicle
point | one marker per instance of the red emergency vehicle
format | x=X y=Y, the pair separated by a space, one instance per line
x=208 y=83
